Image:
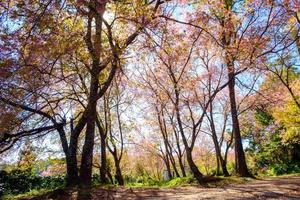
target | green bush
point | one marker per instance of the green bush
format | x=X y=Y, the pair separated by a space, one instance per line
x=18 y=181
x=280 y=169
x=180 y=181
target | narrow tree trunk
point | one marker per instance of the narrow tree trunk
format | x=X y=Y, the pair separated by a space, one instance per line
x=174 y=166
x=103 y=167
x=179 y=154
x=109 y=176
x=87 y=151
x=218 y=165
x=181 y=166
x=168 y=167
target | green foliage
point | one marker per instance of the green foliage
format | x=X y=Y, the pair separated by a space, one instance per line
x=18 y=181
x=267 y=154
x=289 y=117
x=280 y=169
x=263 y=117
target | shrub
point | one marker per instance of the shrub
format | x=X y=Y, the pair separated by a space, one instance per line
x=280 y=169
x=18 y=181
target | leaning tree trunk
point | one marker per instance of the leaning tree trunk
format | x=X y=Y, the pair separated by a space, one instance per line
x=197 y=174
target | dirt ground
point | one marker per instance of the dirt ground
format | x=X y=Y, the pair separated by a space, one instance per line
x=268 y=188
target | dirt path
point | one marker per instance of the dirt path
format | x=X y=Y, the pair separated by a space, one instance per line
x=270 y=188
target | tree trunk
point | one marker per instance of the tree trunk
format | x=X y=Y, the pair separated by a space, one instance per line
x=118 y=176
x=70 y=155
x=197 y=174
x=241 y=166
x=179 y=155
x=109 y=176
x=168 y=167
x=87 y=151
x=218 y=165
x=219 y=157
x=174 y=166
x=72 y=171
x=103 y=167
x=181 y=166
x=224 y=167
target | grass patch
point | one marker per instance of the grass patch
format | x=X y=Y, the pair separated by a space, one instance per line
x=211 y=181
x=282 y=175
x=152 y=183
x=180 y=181
x=30 y=194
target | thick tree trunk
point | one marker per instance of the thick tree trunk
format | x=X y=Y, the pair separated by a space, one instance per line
x=72 y=171
x=119 y=176
x=87 y=153
x=241 y=166
x=70 y=155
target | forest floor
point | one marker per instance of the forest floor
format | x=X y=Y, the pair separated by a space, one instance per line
x=265 y=188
